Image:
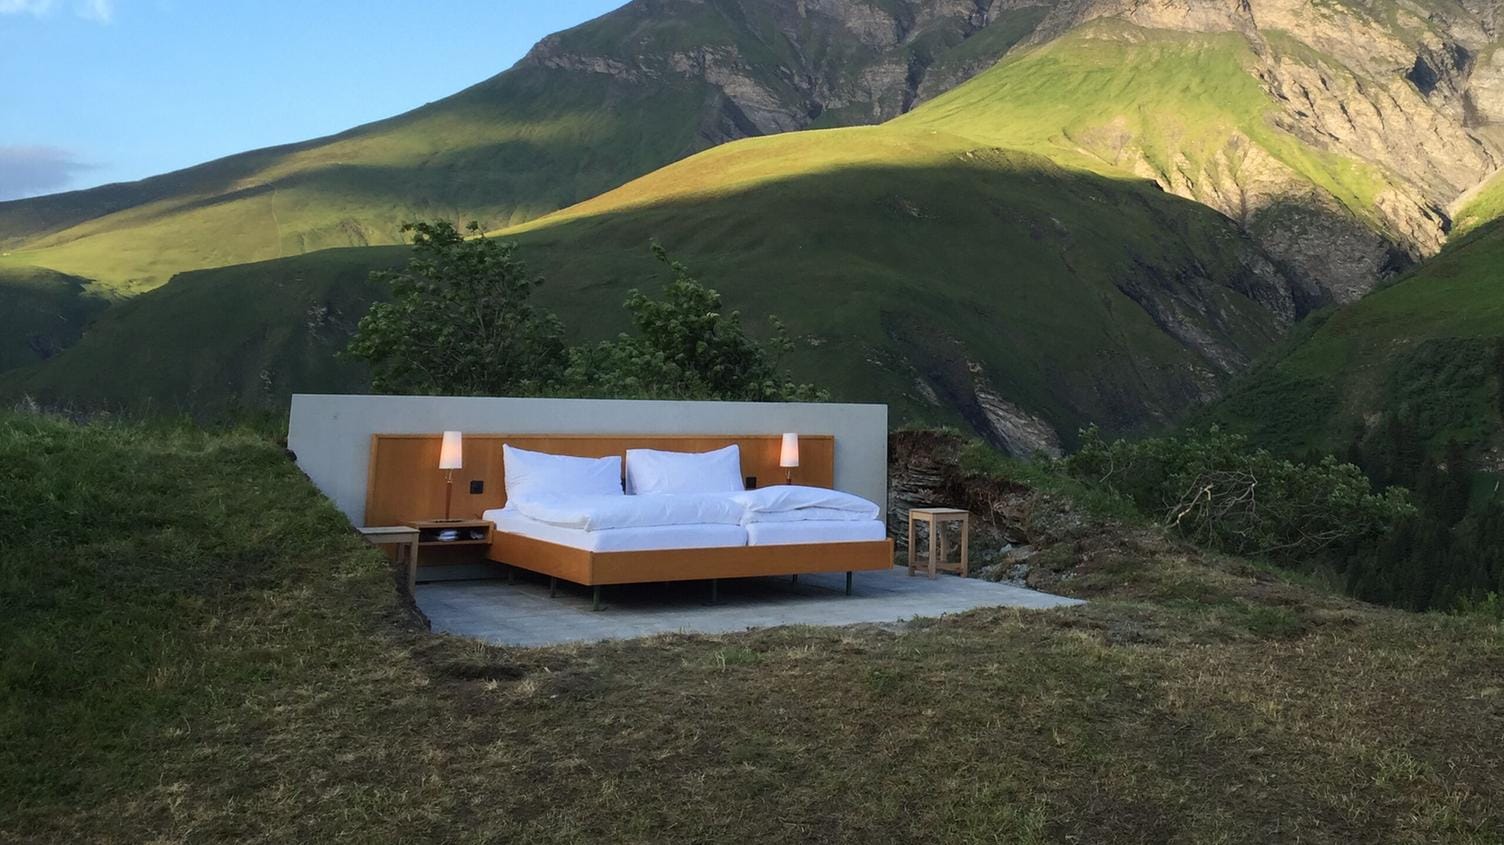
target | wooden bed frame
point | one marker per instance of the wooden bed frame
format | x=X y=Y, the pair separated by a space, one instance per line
x=404 y=484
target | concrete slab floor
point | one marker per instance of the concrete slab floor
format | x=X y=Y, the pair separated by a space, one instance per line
x=523 y=614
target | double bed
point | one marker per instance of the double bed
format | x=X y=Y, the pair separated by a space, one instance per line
x=602 y=511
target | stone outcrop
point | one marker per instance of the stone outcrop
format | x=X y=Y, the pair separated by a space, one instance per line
x=846 y=61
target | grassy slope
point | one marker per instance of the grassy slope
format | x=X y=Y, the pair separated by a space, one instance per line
x=1425 y=346
x=901 y=255
x=277 y=329
x=41 y=313
x=1479 y=207
x=1109 y=86
x=520 y=145
x=198 y=649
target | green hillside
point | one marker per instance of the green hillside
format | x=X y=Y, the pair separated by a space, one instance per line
x=590 y=108
x=1112 y=96
x=526 y=143
x=912 y=267
x=1479 y=207
x=1429 y=348
x=42 y=312
x=273 y=328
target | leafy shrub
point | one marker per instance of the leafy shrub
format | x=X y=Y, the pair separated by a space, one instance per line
x=1215 y=490
x=459 y=322
x=1490 y=606
x=686 y=346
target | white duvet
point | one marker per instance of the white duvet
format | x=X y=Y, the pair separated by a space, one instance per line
x=600 y=513
x=785 y=503
x=796 y=503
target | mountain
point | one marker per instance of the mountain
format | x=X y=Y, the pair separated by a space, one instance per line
x=586 y=110
x=1107 y=224
x=988 y=287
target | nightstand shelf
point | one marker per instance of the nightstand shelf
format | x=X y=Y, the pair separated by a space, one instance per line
x=472 y=532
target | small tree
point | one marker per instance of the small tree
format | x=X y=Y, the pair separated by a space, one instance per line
x=686 y=347
x=459 y=321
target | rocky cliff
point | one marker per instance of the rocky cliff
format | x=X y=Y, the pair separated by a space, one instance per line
x=780 y=65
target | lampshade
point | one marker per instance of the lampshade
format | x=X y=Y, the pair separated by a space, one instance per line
x=451 y=454
x=789 y=455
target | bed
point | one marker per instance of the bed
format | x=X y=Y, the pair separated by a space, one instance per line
x=706 y=525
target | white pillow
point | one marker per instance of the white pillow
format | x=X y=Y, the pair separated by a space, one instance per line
x=542 y=474
x=651 y=471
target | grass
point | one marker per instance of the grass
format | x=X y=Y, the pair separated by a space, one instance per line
x=198 y=648
x=1426 y=345
x=1479 y=207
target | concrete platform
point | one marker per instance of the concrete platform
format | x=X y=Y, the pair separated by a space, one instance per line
x=524 y=615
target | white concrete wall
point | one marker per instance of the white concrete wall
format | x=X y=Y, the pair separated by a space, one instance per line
x=331 y=435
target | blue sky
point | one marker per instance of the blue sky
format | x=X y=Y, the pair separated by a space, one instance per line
x=96 y=91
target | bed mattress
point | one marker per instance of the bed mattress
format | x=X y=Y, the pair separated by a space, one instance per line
x=814 y=531
x=645 y=538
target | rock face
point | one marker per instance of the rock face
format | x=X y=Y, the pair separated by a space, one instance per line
x=1011 y=523
x=1413 y=100
x=835 y=62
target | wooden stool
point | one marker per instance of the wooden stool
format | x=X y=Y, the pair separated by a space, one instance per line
x=401 y=536
x=937 y=519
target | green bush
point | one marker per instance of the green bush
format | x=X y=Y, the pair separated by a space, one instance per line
x=1214 y=489
x=460 y=321
x=686 y=346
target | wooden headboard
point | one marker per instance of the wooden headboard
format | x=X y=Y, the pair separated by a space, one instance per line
x=405 y=483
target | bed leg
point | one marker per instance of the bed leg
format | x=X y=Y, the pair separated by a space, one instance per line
x=597 y=600
x=795 y=578
x=848 y=582
x=715 y=591
x=553 y=586
x=511 y=575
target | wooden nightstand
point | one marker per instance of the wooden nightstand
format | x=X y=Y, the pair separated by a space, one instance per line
x=937 y=519
x=404 y=537
x=471 y=532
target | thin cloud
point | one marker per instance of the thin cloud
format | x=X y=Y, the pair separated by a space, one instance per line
x=28 y=171
x=98 y=11
x=26 y=7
